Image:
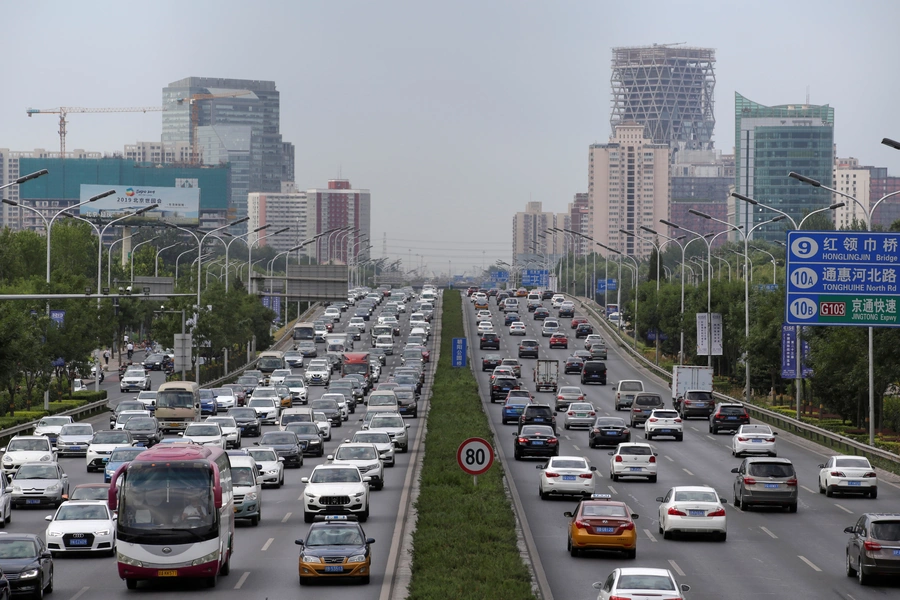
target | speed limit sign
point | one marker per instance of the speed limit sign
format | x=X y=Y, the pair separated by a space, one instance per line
x=475 y=456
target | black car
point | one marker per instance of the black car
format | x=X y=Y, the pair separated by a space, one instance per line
x=608 y=431
x=156 y=362
x=19 y=554
x=528 y=348
x=335 y=539
x=144 y=430
x=594 y=371
x=535 y=440
x=510 y=318
x=537 y=414
x=567 y=311
x=547 y=295
x=490 y=361
x=574 y=364
x=541 y=313
x=406 y=400
x=583 y=330
x=330 y=408
x=362 y=312
x=248 y=382
x=582 y=354
x=286 y=446
x=728 y=416
x=247 y=420
x=310 y=437
x=379 y=354
x=489 y=341
x=501 y=386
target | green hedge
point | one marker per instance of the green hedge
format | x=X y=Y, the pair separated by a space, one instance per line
x=464 y=545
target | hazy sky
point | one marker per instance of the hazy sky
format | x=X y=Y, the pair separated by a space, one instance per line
x=455 y=113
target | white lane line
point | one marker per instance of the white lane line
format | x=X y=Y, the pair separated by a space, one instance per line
x=612 y=490
x=650 y=535
x=267 y=544
x=694 y=428
x=80 y=593
x=810 y=563
x=844 y=509
x=667 y=457
x=676 y=567
x=301 y=497
x=808 y=490
x=241 y=581
x=567 y=437
x=286 y=517
x=772 y=535
x=576 y=447
x=686 y=471
x=712 y=437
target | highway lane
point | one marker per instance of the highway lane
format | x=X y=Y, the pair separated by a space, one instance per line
x=265 y=560
x=769 y=553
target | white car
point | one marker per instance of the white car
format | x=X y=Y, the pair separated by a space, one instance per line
x=579 y=414
x=364 y=457
x=74 y=439
x=134 y=379
x=393 y=425
x=147 y=398
x=271 y=466
x=278 y=375
x=333 y=313
x=485 y=327
x=421 y=332
x=229 y=428
x=225 y=399
x=51 y=426
x=357 y=323
x=692 y=509
x=517 y=328
x=382 y=442
x=633 y=460
x=82 y=526
x=267 y=409
x=593 y=338
x=204 y=434
x=127 y=414
x=419 y=323
x=556 y=300
x=345 y=488
x=386 y=343
x=664 y=422
x=753 y=439
x=566 y=476
x=102 y=445
x=26 y=448
x=324 y=424
x=483 y=315
x=848 y=475
x=297 y=385
x=549 y=327
x=640 y=582
x=318 y=372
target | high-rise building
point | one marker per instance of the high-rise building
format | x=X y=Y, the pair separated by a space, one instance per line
x=669 y=89
x=881 y=184
x=288 y=208
x=579 y=220
x=769 y=143
x=531 y=240
x=235 y=121
x=855 y=181
x=338 y=206
x=701 y=180
x=628 y=186
x=158 y=153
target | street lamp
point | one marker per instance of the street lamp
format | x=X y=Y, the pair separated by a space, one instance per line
x=250 y=251
x=77 y=218
x=22 y=180
x=178 y=259
x=200 y=259
x=771 y=256
x=53 y=218
x=228 y=246
x=156 y=260
x=727 y=264
x=139 y=211
x=134 y=251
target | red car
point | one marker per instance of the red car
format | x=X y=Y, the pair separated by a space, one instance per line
x=578 y=321
x=559 y=340
x=471 y=290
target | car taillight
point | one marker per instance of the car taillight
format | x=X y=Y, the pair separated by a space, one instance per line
x=872 y=546
x=549 y=474
x=678 y=420
x=770 y=439
x=523 y=440
x=837 y=474
x=581 y=397
x=594 y=414
x=586 y=475
x=719 y=512
x=653 y=459
x=618 y=458
x=742 y=439
x=552 y=441
x=581 y=524
x=870 y=474
x=749 y=481
x=676 y=512
x=570 y=413
x=653 y=419
x=626 y=526
x=560 y=398
x=636 y=409
x=687 y=402
x=792 y=482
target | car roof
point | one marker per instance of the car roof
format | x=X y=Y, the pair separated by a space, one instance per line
x=644 y=571
x=694 y=488
x=640 y=444
x=764 y=459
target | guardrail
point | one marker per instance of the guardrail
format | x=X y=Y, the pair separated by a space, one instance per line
x=790 y=424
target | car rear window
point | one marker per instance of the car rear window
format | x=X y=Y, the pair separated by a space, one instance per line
x=631 y=386
x=603 y=510
x=731 y=410
x=888 y=531
x=610 y=422
x=859 y=463
x=756 y=429
x=529 y=343
x=635 y=450
x=534 y=429
x=649 y=401
x=539 y=411
x=645 y=582
x=761 y=469
x=567 y=463
x=698 y=396
x=665 y=414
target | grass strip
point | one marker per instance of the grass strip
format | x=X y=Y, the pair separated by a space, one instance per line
x=464 y=545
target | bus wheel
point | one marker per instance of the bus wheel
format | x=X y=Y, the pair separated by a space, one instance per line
x=226 y=568
x=211 y=581
x=131 y=584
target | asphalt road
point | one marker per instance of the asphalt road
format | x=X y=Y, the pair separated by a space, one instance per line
x=769 y=553
x=265 y=560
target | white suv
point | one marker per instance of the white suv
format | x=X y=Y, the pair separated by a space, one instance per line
x=26 y=448
x=664 y=422
x=364 y=457
x=633 y=460
x=335 y=489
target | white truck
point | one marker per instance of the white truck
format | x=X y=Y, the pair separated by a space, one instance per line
x=688 y=378
x=546 y=375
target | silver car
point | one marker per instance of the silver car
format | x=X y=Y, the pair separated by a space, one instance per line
x=579 y=414
x=765 y=481
x=566 y=395
x=74 y=439
x=39 y=483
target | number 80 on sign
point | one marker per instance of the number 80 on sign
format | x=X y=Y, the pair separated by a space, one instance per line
x=475 y=456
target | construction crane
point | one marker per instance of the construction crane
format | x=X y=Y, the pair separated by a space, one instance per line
x=62 y=111
x=195 y=116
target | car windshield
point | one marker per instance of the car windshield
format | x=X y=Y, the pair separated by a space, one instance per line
x=386 y=421
x=208 y=394
x=81 y=512
x=631 y=386
x=567 y=463
x=319 y=417
x=695 y=496
x=246 y=413
x=242 y=476
x=294 y=381
x=135 y=373
x=645 y=582
x=111 y=437
x=140 y=424
x=335 y=535
x=247 y=380
x=278 y=437
x=537 y=430
x=307 y=428
x=761 y=469
x=175 y=399
x=356 y=453
x=335 y=476
x=603 y=510
x=324 y=405
x=382 y=400
x=37 y=472
x=223 y=421
x=263 y=394
x=124 y=454
x=858 y=463
x=223 y=392
x=90 y=493
x=636 y=450
x=201 y=430
x=263 y=455
x=132 y=405
x=17 y=549
x=261 y=403
x=372 y=438
x=888 y=531
x=54 y=421
x=77 y=430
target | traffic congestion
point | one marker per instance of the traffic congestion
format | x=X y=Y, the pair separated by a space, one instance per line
x=290 y=476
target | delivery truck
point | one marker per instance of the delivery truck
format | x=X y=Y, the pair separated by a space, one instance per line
x=546 y=375
x=696 y=384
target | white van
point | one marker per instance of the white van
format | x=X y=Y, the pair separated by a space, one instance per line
x=294 y=415
x=510 y=305
x=246 y=482
x=625 y=392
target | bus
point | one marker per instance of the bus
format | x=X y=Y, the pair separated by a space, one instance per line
x=177 y=404
x=269 y=361
x=175 y=514
x=304 y=331
x=356 y=362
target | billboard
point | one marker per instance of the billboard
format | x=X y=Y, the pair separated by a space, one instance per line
x=177 y=205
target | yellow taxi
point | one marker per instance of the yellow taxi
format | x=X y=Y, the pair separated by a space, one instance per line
x=336 y=547
x=521 y=293
x=600 y=523
x=482 y=304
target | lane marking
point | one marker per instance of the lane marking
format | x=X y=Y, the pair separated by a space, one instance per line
x=286 y=517
x=810 y=563
x=242 y=580
x=676 y=567
x=650 y=535
x=567 y=437
x=686 y=471
x=80 y=593
x=694 y=428
x=772 y=535
x=669 y=458
x=576 y=447
x=712 y=437
x=844 y=509
x=612 y=490
x=301 y=497
x=808 y=490
x=267 y=544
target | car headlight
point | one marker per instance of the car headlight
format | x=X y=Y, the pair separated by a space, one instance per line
x=53 y=487
x=251 y=496
x=310 y=559
x=102 y=532
x=272 y=472
x=214 y=555
x=357 y=558
x=16 y=489
x=29 y=574
x=7 y=460
x=46 y=458
x=54 y=533
x=359 y=494
x=309 y=494
x=125 y=560
x=109 y=473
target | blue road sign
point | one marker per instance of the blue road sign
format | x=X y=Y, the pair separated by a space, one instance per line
x=652 y=334
x=58 y=316
x=843 y=278
x=612 y=285
x=789 y=353
x=458 y=358
x=273 y=302
x=767 y=287
x=499 y=276
x=535 y=277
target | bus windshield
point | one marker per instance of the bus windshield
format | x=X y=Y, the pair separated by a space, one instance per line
x=304 y=332
x=356 y=368
x=175 y=499
x=174 y=399
x=270 y=363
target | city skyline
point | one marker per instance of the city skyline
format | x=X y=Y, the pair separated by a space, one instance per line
x=454 y=118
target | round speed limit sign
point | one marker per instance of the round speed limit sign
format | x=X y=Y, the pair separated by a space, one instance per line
x=475 y=456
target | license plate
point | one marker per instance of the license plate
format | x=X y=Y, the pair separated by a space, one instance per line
x=334 y=569
x=896 y=552
x=537 y=443
x=700 y=404
x=605 y=529
x=665 y=431
x=580 y=414
x=568 y=478
x=172 y=573
x=32 y=501
x=539 y=419
x=634 y=468
x=77 y=542
x=610 y=432
x=732 y=418
x=756 y=441
x=773 y=486
x=696 y=513
x=854 y=483
x=76 y=447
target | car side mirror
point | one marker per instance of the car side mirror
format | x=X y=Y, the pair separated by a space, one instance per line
x=822 y=466
x=46 y=555
x=849 y=529
x=407 y=426
x=304 y=480
x=735 y=470
x=367 y=479
x=597 y=585
x=732 y=432
x=774 y=433
x=514 y=434
x=612 y=453
x=180 y=434
x=48 y=518
x=593 y=468
x=656 y=454
x=539 y=467
x=660 y=499
x=329 y=457
x=685 y=587
x=370 y=540
x=723 y=500
x=298 y=542
x=259 y=481
x=634 y=516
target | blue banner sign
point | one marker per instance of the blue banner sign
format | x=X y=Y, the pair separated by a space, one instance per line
x=58 y=316
x=789 y=353
x=535 y=277
x=458 y=358
x=499 y=276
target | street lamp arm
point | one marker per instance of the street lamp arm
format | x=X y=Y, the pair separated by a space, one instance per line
x=819 y=210
x=773 y=209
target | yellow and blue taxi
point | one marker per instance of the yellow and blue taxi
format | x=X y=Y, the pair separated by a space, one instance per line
x=600 y=523
x=335 y=547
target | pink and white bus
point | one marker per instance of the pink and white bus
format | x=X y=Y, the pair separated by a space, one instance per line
x=175 y=514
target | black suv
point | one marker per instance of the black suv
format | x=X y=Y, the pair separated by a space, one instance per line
x=608 y=431
x=501 y=387
x=528 y=348
x=489 y=341
x=490 y=361
x=594 y=371
x=538 y=414
x=247 y=420
x=695 y=403
x=728 y=416
x=583 y=330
